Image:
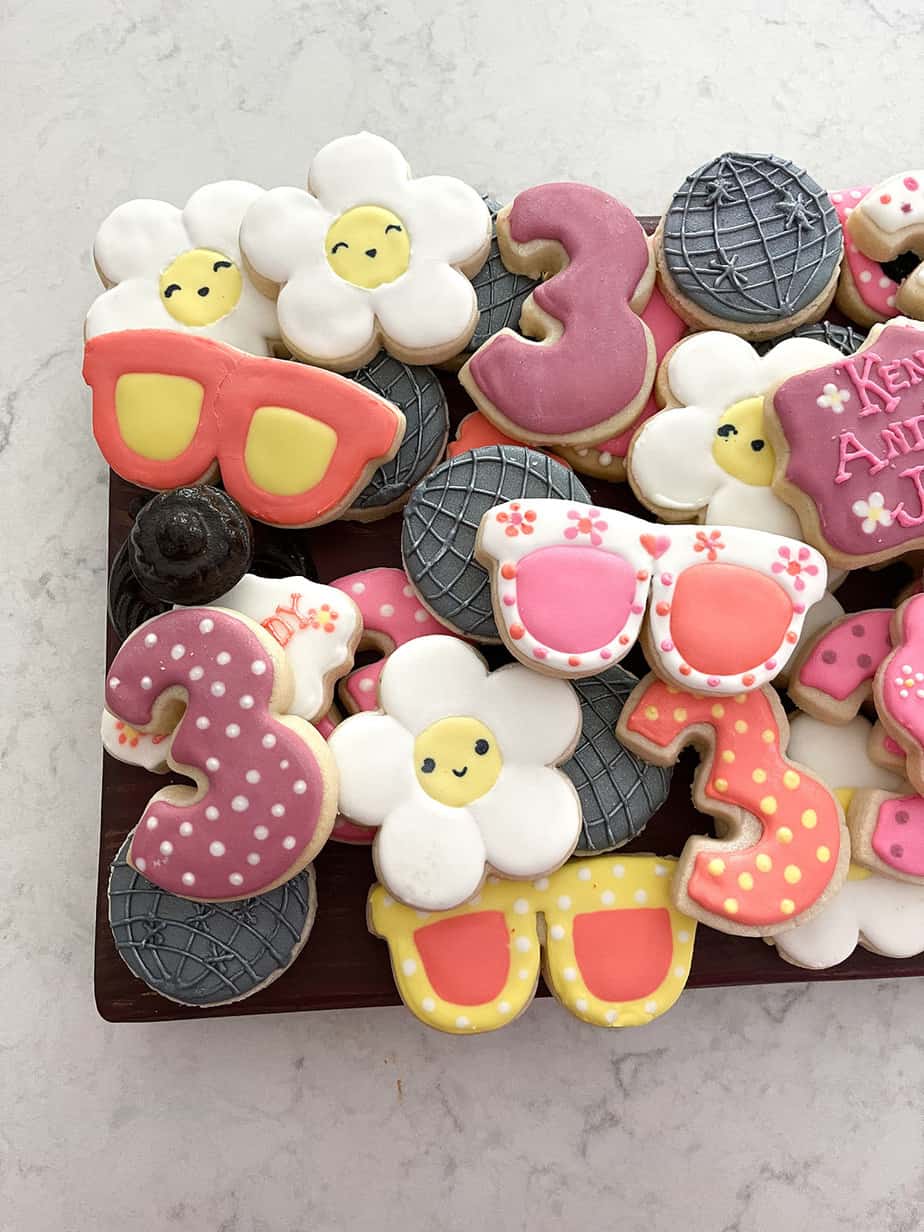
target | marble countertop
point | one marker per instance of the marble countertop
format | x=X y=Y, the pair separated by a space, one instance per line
x=746 y=1110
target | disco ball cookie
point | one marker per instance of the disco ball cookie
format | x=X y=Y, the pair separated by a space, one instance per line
x=619 y=792
x=190 y=545
x=167 y=268
x=207 y=954
x=750 y=244
x=887 y=226
x=370 y=257
x=707 y=457
x=442 y=519
x=420 y=397
x=500 y=292
x=843 y=338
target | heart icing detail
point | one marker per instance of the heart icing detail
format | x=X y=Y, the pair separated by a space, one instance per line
x=655 y=545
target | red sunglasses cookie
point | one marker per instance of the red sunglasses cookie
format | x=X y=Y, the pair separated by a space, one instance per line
x=294 y=444
x=570 y=584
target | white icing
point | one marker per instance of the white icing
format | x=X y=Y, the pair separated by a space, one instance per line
x=905 y=207
x=838 y=753
x=430 y=307
x=140 y=239
x=135 y=748
x=428 y=854
x=314 y=654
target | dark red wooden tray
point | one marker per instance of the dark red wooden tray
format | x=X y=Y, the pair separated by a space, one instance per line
x=342 y=966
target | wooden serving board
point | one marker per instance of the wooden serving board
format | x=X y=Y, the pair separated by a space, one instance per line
x=343 y=966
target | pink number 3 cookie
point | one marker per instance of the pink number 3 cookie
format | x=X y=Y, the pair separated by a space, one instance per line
x=265 y=795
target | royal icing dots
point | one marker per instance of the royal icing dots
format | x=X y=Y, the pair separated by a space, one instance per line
x=840 y=663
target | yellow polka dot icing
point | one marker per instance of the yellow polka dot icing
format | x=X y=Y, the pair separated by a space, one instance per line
x=740 y=446
x=200 y=287
x=367 y=246
x=457 y=760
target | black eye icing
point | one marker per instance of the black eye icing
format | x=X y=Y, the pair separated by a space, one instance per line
x=428 y=765
x=221 y=265
x=727 y=430
x=757 y=446
x=481 y=747
x=393 y=226
x=339 y=244
x=203 y=291
x=174 y=286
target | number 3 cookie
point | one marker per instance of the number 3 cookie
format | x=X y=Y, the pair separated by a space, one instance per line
x=265 y=793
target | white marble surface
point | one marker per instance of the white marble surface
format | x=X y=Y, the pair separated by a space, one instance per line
x=743 y=1110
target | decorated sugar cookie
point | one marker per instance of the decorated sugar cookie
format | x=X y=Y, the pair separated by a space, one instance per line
x=458 y=770
x=866 y=289
x=265 y=792
x=475 y=431
x=590 y=373
x=317 y=627
x=843 y=338
x=419 y=396
x=887 y=833
x=206 y=954
x=294 y=445
x=442 y=518
x=619 y=792
x=832 y=673
x=370 y=257
x=175 y=269
x=847 y=439
x=616 y=952
x=136 y=748
x=898 y=689
x=887 y=225
x=570 y=585
x=607 y=459
x=707 y=457
x=749 y=244
x=500 y=292
x=784 y=848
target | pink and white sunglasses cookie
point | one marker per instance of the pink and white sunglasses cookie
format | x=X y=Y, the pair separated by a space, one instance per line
x=570 y=584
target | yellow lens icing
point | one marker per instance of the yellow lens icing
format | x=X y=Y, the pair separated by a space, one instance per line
x=200 y=287
x=287 y=453
x=157 y=414
x=740 y=446
x=481 y=972
x=457 y=760
x=367 y=246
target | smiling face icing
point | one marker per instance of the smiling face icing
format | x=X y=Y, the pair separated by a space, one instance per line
x=740 y=447
x=200 y=287
x=457 y=761
x=367 y=246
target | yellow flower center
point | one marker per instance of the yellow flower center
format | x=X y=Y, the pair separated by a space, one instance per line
x=367 y=246
x=200 y=287
x=739 y=445
x=457 y=760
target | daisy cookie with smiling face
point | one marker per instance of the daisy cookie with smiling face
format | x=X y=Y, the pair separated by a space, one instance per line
x=370 y=257
x=181 y=269
x=706 y=456
x=457 y=768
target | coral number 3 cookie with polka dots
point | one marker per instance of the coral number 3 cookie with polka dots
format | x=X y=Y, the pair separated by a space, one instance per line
x=265 y=793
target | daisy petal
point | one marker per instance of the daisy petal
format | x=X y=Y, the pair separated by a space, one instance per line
x=758 y=508
x=713 y=369
x=432 y=678
x=133 y=304
x=530 y=821
x=429 y=856
x=536 y=718
x=138 y=240
x=446 y=219
x=283 y=231
x=671 y=461
x=374 y=755
x=324 y=318
x=251 y=323
x=795 y=355
x=214 y=213
x=361 y=169
x=431 y=307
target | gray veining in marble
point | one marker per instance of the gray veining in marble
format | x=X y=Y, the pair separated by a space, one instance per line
x=747 y=1110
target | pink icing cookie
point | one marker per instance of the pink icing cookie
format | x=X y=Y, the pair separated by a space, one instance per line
x=888 y=226
x=899 y=687
x=887 y=833
x=265 y=794
x=607 y=459
x=833 y=673
x=865 y=291
x=591 y=373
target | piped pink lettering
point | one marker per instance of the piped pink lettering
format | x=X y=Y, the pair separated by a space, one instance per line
x=914 y=427
x=890 y=374
x=865 y=385
x=902 y=517
x=850 y=451
x=893 y=440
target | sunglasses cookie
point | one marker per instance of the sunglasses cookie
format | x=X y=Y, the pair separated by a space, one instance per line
x=442 y=519
x=589 y=371
x=850 y=449
x=570 y=595
x=207 y=954
x=369 y=257
x=265 y=793
x=876 y=912
x=749 y=244
x=615 y=951
x=783 y=848
x=706 y=455
x=887 y=227
x=167 y=268
x=457 y=768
